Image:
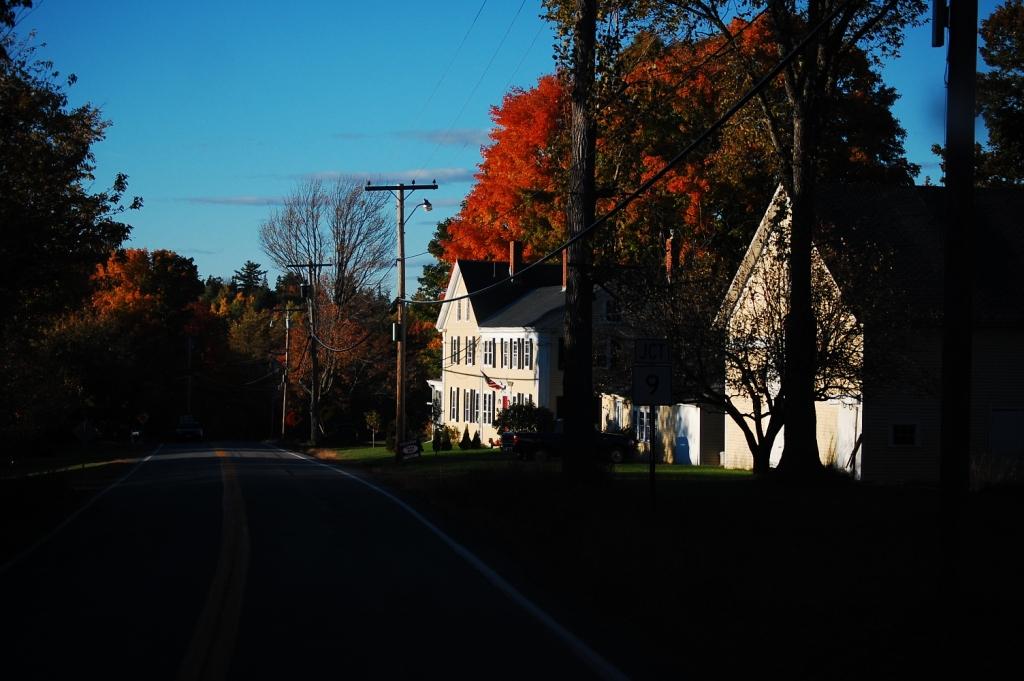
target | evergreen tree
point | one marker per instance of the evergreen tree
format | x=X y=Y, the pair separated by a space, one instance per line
x=250 y=278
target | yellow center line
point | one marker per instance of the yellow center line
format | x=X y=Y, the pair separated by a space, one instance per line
x=213 y=642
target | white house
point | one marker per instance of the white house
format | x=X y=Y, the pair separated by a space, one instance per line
x=891 y=239
x=501 y=346
x=684 y=434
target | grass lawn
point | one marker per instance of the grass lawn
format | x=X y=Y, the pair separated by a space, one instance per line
x=729 y=575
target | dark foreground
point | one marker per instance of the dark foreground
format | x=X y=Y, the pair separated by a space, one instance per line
x=248 y=562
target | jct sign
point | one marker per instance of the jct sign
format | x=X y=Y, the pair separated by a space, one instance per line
x=652 y=372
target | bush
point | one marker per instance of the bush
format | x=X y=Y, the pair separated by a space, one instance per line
x=446 y=440
x=527 y=416
x=465 y=442
x=476 y=440
x=435 y=441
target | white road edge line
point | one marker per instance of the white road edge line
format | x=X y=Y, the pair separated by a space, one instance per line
x=71 y=518
x=603 y=668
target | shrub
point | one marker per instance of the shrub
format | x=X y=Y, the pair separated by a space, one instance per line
x=435 y=441
x=476 y=440
x=465 y=442
x=446 y=440
x=527 y=416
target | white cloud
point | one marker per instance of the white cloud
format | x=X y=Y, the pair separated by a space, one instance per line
x=460 y=137
x=235 y=200
x=421 y=175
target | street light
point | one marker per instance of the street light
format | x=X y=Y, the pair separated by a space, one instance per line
x=399 y=191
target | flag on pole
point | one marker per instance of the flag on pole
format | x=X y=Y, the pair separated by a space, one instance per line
x=491 y=383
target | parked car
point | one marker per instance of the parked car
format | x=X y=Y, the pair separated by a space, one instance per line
x=611 y=447
x=188 y=428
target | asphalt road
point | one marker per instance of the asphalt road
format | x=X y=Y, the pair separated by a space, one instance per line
x=246 y=562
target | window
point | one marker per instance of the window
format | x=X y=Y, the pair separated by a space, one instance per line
x=488 y=353
x=467 y=405
x=504 y=353
x=489 y=407
x=528 y=360
x=476 y=406
x=903 y=435
x=470 y=350
x=458 y=311
x=518 y=399
x=643 y=425
x=494 y=353
x=453 y=404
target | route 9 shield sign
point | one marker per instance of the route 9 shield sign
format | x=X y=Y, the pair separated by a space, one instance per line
x=652 y=371
x=652 y=384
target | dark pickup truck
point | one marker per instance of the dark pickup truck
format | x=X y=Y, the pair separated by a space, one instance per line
x=613 y=447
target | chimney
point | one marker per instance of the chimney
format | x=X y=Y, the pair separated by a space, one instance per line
x=515 y=257
x=565 y=268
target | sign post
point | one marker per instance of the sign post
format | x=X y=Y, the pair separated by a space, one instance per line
x=652 y=385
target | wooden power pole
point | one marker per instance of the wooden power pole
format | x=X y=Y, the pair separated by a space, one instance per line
x=313 y=269
x=578 y=379
x=958 y=319
x=399 y=191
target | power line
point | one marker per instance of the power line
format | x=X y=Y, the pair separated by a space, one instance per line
x=727 y=43
x=674 y=161
x=472 y=92
x=455 y=55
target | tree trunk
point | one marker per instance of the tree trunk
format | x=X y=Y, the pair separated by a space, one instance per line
x=577 y=377
x=800 y=454
x=762 y=459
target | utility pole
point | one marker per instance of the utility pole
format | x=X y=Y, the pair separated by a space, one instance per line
x=578 y=379
x=399 y=191
x=284 y=377
x=313 y=269
x=958 y=320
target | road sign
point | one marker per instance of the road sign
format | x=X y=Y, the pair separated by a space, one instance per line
x=652 y=384
x=651 y=351
x=652 y=371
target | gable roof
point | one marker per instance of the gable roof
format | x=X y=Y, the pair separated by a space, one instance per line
x=860 y=223
x=530 y=309
x=909 y=223
x=479 y=274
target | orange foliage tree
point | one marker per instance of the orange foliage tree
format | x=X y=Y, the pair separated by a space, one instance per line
x=517 y=194
x=667 y=95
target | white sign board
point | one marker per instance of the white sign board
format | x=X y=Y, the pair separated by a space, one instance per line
x=652 y=385
x=649 y=351
x=652 y=371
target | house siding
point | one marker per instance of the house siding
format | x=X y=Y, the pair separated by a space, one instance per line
x=540 y=382
x=913 y=398
x=837 y=425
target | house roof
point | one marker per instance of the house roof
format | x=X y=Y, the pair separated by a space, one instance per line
x=906 y=224
x=479 y=274
x=530 y=309
x=862 y=226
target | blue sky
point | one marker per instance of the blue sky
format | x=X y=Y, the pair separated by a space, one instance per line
x=219 y=108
